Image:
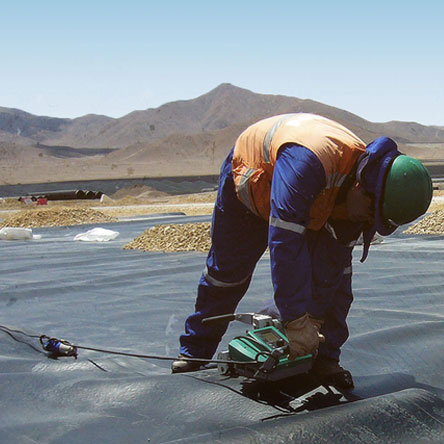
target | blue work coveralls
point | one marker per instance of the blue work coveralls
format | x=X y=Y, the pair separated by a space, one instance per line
x=311 y=270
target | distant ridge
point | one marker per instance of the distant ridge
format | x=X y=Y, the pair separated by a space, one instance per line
x=220 y=108
x=172 y=138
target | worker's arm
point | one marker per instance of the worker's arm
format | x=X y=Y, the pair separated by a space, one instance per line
x=298 y=178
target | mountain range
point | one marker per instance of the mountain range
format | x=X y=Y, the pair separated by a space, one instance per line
x=187 y=137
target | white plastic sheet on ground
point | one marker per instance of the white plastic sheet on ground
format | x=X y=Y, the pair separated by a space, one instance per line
x=17 y=233
x=97 y=235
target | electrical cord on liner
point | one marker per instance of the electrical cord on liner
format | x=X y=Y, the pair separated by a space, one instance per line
x=61 y=347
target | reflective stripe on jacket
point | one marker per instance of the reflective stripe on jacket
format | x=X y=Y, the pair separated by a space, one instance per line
x=256 y=150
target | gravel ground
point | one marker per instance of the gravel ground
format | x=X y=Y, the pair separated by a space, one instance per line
x=190 y=209
x=181 y=237
x=173 y=237
x=431 y=224
x=55 y=217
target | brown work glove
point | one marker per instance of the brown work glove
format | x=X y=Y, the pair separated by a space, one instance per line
x=303 y=336
x=317 y=323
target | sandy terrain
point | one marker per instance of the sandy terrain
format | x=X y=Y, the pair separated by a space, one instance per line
x=127 y=205
x=163 y=237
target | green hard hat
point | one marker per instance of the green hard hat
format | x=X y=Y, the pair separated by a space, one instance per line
x=407 y=191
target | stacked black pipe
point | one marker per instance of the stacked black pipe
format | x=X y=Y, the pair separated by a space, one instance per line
x=67 y=195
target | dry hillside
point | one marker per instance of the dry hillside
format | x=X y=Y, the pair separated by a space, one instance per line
x=187 y=137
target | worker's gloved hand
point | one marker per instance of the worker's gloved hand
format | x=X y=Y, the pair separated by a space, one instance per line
x=317 y=323
x=303 y=336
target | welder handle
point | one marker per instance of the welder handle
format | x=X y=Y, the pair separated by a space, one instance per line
x=221 y=318
x=272 y=361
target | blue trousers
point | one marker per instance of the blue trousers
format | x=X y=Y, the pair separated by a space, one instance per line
x=239 y=239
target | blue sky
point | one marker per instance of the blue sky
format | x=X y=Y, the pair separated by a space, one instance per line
x=382 y=60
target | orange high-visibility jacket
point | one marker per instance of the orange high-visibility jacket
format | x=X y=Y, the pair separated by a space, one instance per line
x=257 y=148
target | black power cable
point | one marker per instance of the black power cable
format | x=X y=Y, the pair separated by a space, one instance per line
x=61 y=347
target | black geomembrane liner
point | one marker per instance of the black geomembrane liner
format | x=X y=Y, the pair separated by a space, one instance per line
x=99 y=295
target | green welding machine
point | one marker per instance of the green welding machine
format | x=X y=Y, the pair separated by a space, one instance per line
x=262 y=353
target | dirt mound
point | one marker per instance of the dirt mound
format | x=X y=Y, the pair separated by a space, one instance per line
x=175 y=237
x=56 y=217
x=431 y=224
x=137 y=191
x=204 y=197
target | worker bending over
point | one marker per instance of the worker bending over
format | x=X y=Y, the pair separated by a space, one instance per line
x=306 y=187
